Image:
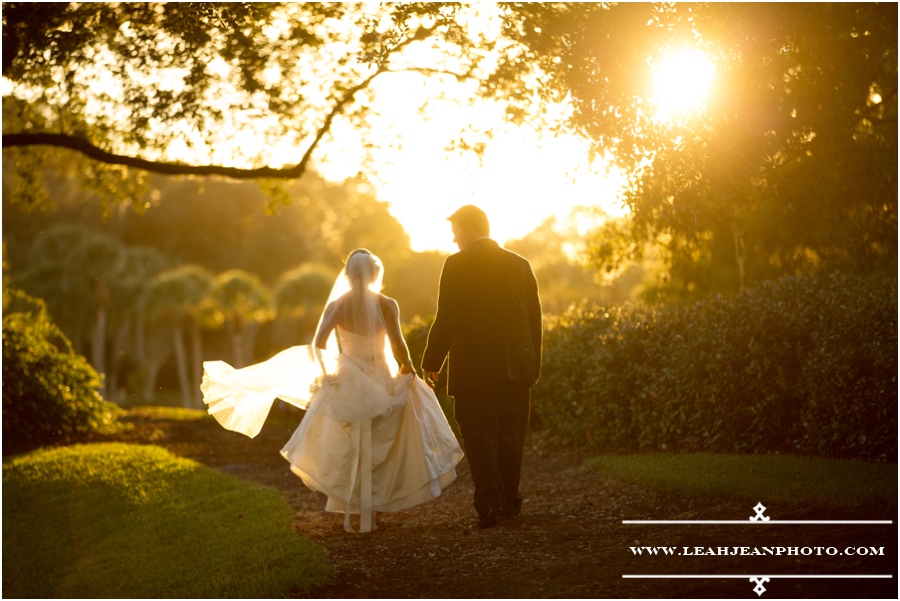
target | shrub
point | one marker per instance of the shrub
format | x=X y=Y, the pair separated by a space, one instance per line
x=801 y=364
x=49 y=392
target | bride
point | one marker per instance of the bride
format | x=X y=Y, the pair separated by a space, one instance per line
x=372 y=441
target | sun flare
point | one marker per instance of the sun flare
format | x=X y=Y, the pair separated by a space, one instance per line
x=681 y=82
x=519 y=181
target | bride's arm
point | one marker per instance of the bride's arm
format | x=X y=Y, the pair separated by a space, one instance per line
x=326 y=325
x=395 y=335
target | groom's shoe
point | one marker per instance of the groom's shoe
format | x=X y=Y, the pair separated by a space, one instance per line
x=488 y=520
x=508 y=515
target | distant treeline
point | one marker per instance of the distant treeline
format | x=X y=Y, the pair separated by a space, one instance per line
x=222 y=270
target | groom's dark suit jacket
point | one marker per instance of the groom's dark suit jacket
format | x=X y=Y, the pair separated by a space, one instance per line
x=488 y=319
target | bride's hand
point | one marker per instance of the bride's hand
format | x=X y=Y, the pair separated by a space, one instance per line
x=406 y=369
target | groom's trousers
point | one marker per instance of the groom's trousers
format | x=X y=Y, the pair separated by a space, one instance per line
x=493 y=420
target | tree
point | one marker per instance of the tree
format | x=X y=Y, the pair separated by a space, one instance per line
x=140 y=265
x=182 y=298
x=553 y=249
x=178 y=80
x=300 y=297
x=98 y=260
x=244 y=304
x=75 y=268
x=791 y=163
x=50 y=277
x=412 y=279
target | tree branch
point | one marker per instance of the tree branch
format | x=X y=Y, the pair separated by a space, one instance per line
x=98 y=154
x=335 y=111
x=92 y=151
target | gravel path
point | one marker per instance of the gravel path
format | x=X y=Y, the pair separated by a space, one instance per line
x=568 y=542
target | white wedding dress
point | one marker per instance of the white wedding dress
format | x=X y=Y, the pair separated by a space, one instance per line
x=370 y=440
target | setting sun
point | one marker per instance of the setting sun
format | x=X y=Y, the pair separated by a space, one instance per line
x=681 y=82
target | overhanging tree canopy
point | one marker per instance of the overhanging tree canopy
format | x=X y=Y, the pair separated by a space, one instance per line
x=150 y=85
x=792 y=159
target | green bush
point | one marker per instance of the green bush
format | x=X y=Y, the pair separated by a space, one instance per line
x=800 y=364
x=49 y=392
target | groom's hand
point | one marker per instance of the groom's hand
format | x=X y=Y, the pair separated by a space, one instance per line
x=431 y=378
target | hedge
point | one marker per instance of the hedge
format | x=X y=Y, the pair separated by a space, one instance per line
x=803 y=364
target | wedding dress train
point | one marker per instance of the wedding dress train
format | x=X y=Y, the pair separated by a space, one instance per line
x=369 y=441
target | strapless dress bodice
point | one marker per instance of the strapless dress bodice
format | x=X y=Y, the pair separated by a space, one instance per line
x=362 y=346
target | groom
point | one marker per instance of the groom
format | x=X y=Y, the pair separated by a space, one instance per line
x=489 y=320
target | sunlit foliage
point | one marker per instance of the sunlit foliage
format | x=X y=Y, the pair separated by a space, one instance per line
x=791 y=162
x=554 y=249
x=787 y=163
x=217 y=88
x=49 y=392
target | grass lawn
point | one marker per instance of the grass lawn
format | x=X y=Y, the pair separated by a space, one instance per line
x=117 y=520
x=757 y=477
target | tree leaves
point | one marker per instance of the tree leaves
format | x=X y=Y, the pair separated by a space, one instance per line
x=127 y=83
x=784 y=157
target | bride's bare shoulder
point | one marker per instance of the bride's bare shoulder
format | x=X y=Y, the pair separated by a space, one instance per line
x=387 y=303
x=335 y=307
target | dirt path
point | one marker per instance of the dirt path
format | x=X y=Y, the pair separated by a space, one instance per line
x=569 y=541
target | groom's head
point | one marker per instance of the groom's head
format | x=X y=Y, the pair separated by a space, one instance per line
x=469 y=223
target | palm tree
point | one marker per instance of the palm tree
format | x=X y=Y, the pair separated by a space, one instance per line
x=99 y=259
x=140 y=266
x=155 y=344
x=244 y=304
x=51 y=278
x=179 y=298
x=300 y=296
x=73 y=269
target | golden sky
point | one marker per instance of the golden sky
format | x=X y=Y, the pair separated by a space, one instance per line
x=521 y=180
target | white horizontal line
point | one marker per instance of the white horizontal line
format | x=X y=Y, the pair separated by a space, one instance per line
x=759 y=523
x=757 y=576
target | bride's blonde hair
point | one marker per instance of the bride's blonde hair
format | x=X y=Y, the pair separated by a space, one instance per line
x=363 y=269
